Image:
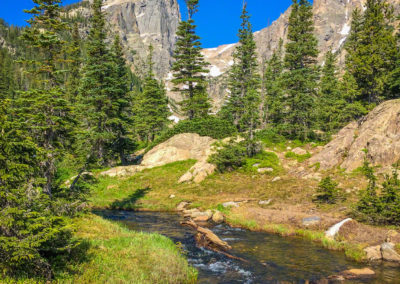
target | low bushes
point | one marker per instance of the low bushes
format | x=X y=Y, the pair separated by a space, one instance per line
x=379 y=206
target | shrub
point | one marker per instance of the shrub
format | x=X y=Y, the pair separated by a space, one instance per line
x=229 y=157
x=383 y=208
x=210 y=126
x=265 y=160
x=299 y=158
x=327 y=191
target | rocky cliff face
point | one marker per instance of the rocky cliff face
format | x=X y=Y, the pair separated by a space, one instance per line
x=379 y=133
x=332 y=20
x=141 y=23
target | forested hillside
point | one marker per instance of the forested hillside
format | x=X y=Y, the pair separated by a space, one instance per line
x=72 y=103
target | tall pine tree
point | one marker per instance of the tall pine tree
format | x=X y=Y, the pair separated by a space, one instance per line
x=330 y=101
x=120 y=123
x=99 y=92
x=189 y=68
x=301 y=75
x=45 y=108
x=244 y=102
x=151 y=109
x=272 y=80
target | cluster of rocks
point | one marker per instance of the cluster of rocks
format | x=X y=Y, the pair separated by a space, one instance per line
x=385 y=251
x=200 y=216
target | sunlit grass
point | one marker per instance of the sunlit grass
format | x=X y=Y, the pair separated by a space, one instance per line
x=118 y=255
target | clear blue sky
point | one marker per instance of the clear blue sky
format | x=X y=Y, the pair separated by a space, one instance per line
x=217 y=20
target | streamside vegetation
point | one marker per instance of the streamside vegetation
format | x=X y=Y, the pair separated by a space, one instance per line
x=70 y=105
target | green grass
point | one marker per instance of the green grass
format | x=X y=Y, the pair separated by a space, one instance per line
x=146 y=190
x=299 y=158
x=115 y=254
x=119 y=255
x=264 y=160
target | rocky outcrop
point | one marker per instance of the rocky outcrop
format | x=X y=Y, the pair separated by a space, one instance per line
x=378 y=132
x=139 y=24
x=181 y=147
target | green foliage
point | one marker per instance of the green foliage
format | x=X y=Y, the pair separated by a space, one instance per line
x=270 y=138
x=263 y=159
x=372 y=50
x=242 y=108
x=104 y=96
x=189 y=68
x=229 y=157
x=209 y=126
x=272 y=86
x=299 y=158
x=151 y=106
x=379 y=208
x=301 y=74
x=327 y=191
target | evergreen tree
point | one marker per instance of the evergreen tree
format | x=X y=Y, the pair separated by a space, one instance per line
x=331 y=102
x=189 y=67
x=372 y=50
x=243 y=105
x=152 y=106
x=300 y=77
x=98 y=90
x=75 y=59
x=45 y=108
x=120 y=120
x=272 y=81
x=31 y=235
x=395 y=76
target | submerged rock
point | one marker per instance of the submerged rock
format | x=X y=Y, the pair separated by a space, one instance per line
x=358 y=273
x=389 y=253
x=373 y=253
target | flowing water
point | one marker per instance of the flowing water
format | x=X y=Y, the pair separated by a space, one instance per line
x=270 y=258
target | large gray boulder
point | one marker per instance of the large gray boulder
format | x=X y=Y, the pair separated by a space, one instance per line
x=378 y=132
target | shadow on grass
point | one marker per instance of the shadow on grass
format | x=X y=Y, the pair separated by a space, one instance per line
x=130 y=201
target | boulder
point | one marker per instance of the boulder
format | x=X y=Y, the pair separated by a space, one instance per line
x=389 y=253
x=230 y=204
x=275 y=179
x=373 y=253
x=218 y=217
x=181 y=206
x=378 y=132
x=265 y=170
x=299 y=151
x=358 y=273
x=311 y=221
x=265 y=202
x=181 y=147
x=201 y=219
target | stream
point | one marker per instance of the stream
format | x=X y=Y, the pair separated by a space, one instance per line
x=270 y=258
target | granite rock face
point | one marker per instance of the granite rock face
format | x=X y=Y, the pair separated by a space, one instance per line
x=139 y=24
x=378 y=132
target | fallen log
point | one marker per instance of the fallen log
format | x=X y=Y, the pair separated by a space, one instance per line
x=207 y=239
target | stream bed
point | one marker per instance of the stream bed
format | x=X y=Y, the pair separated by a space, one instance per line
x=270 y=258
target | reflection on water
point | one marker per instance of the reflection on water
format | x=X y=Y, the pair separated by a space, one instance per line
x=271 y=259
